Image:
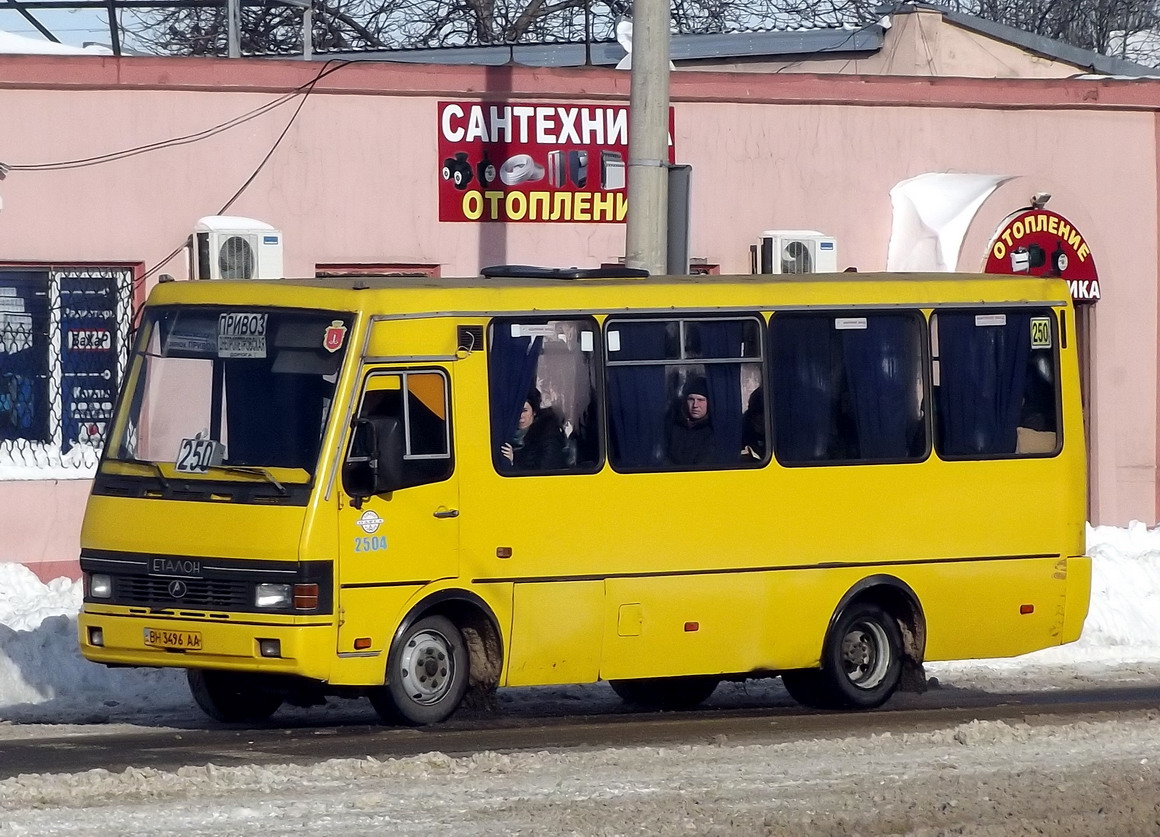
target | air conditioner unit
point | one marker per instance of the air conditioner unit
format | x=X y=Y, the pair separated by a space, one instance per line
x=797 y=251
x=228 y=247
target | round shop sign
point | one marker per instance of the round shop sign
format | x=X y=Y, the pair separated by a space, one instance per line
x=1039 y=242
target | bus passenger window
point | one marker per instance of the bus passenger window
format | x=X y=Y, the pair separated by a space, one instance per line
x=681 y=393
x=543 y=396
x=997 y=392
x=848 y=388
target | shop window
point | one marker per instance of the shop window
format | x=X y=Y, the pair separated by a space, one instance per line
x=682 y=391
x=63 y=347
x=543 y=395
x=848 y=388
x=996 y=376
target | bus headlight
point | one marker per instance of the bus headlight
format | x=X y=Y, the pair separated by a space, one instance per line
x=100 y=586
x=272 y=595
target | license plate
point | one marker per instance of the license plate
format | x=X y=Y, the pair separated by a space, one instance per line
x=183 y=640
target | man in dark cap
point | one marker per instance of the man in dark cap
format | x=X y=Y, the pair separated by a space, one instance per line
x=690 y=436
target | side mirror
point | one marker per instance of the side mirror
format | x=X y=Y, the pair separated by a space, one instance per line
x=375 y=462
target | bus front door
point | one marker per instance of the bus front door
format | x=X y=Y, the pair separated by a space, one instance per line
x=392 y=544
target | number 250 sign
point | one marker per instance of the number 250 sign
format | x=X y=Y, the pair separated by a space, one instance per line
x=194 y=456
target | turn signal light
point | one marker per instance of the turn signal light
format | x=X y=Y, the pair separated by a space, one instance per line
x=305 y=596
x=692 y=626
x=1025 y=609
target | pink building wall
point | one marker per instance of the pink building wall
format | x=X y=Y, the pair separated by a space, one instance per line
x=354 y=180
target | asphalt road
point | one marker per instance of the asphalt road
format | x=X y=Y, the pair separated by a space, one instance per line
x=467 y=733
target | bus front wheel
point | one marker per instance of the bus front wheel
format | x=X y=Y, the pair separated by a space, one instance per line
x=861 y=663
x=426 y=674
x=665 y=692
x=232 y=697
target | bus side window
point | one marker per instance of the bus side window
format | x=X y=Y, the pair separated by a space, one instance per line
x=998 y=392
x=848 y=388
x=542 y=395
x=681 y=393
x=418 y=401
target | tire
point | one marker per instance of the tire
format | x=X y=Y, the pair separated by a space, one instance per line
x=861 y=663
x=665 y=692
x=427 y=673
x=231 y=697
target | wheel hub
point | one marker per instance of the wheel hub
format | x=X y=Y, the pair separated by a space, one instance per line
x=427 y=667
x=864 y=654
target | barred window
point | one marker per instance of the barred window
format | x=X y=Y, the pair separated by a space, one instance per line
x=63 y=335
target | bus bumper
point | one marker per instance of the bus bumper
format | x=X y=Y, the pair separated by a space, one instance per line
x=303 y=650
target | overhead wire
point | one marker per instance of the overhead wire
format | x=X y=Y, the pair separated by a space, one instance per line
x=852 y=34
x=182 y=140
x=305 y=90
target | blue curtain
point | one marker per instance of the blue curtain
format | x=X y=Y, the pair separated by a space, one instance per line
x=881 y=368
x=511 y=364
x=637 y=400
x=802 y=376
x=720 y=340
x=983 y=372
x=253 y=394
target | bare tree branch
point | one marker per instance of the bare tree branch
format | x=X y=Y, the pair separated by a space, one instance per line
x=1109 y=26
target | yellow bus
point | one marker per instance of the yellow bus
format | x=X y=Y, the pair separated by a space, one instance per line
x=408 y=488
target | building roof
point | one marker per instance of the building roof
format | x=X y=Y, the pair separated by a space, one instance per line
x=683 y=48
x=1086 y=59
x=11 y=44
x=768 y=45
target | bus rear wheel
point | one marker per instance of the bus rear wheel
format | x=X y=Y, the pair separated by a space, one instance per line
x=665 y=692
x=426 y=674
x=861 y=663
x=232 y=697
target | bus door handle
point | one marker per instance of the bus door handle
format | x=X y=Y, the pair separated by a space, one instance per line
x=443 y=512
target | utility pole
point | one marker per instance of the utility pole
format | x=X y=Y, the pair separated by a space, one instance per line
x=646 y=231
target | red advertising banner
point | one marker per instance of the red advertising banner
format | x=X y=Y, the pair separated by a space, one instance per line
x=537 y=162
x=1039 y=242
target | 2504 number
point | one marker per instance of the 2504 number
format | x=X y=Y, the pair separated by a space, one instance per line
x=370 y=544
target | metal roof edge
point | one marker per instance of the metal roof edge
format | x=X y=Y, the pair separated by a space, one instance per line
x=757 y=45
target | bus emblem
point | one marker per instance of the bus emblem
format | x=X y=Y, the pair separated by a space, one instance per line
x=177 y=589
x=369 y=522
x=334 y=337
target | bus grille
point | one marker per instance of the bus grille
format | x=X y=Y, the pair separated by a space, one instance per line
x=217 y=594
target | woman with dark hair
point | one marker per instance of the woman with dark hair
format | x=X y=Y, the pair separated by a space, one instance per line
x=753 y=428
x=538 y=443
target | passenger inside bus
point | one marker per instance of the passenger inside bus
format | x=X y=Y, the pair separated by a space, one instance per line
x=538 y=443
x=753 y=428
x=690 y=435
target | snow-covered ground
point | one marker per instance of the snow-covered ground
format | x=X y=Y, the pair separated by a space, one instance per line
x=1097 y=777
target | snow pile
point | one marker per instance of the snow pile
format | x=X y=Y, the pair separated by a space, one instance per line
x=44 y=679
x=41 y=665
x=19 y=45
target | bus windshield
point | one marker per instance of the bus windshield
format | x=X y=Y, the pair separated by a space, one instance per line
x=230 y=393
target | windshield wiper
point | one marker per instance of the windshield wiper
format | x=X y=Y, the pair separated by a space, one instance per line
x=256 y=471
x=151 y=464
